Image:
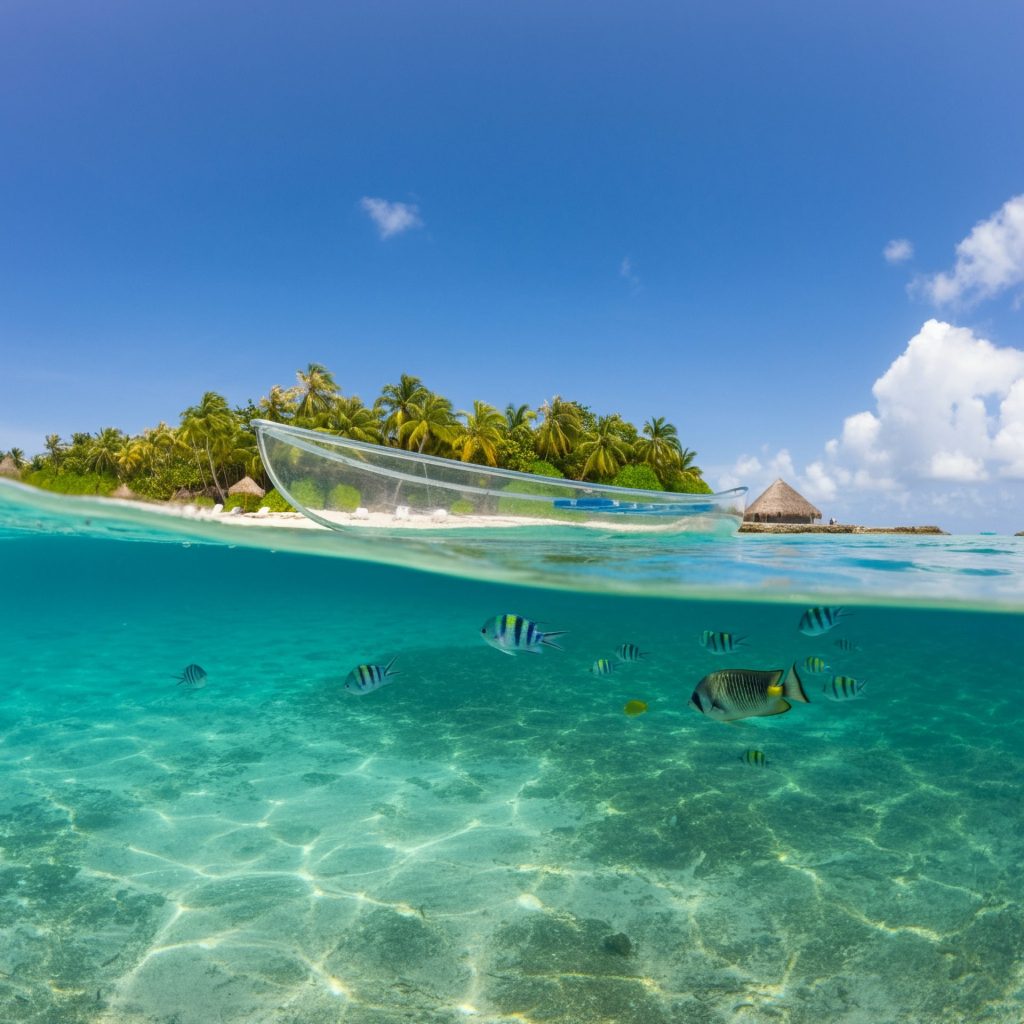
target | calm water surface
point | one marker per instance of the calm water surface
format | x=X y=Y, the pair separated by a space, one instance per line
x=463 y=845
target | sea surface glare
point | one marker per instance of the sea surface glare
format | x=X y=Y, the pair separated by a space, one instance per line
x=491 y=838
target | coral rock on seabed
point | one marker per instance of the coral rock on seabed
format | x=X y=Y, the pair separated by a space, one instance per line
x=618 y=944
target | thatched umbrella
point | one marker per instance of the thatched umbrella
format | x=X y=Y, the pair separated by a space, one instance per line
x=247 y=486
x=124 y=491
x=8 y=467
x=781 y=504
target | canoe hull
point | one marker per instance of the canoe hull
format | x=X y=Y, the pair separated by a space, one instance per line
x=345 y=484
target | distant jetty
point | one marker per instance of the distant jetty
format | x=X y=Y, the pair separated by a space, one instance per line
x=838 y=528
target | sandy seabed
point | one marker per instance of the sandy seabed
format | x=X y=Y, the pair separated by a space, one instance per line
x=465 y=843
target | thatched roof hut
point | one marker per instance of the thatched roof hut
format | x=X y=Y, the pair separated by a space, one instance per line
x=8 y=467
x=781 y=504
x=123 y=491
x=247 y=486
x=190 y=493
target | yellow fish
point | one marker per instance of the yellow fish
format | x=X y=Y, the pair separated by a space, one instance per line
x=635 y=707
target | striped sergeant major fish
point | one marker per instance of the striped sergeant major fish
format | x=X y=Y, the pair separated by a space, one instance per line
x=720 y=643
x=602 y=667
x=629 y=652
x=845 y=644
x=818 y=621
x=755 y=758
x=815 y=665
x=511 y=634
x=193 y=678
x=734 y=693
x=367 y=678
x=843 y=688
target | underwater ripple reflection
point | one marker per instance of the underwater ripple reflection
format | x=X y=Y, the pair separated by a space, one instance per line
x=489 y=837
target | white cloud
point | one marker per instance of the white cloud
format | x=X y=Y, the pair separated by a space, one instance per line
x=951 y=407
x=989 y=260
x=391 y=218
x=899 y=250
x=957 y=467
x=756 y=473
x=943 y=441
x=628 y=273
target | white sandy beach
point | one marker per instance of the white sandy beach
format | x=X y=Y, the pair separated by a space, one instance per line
x=416 y=521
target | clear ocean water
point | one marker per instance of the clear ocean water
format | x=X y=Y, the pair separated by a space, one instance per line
x=491 y=838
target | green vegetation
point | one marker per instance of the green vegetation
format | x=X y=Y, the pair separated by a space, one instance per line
x=640 y=478
x=342 y=498
x=276 y=502
x=246 y=502
x=307 y=493
x=214 y=445
x=70 y=482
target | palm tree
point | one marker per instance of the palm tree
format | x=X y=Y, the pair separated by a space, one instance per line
x=162 y=437
x=396 y=402
x=350 y=418
x=481 y=435
x=104 y=450
x=209 y=428
x=604 y=448
x=560 y=429
x=429 y=421
x=55 y=447
x=18 y=455
x=136 y=454
x=518 y=417
x=686 y=466
x=276 y=406
x=660 y=448
x=315 y=391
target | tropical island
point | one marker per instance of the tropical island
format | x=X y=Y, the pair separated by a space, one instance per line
x=214 y=445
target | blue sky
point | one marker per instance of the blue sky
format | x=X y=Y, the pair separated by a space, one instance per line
x=181 y=209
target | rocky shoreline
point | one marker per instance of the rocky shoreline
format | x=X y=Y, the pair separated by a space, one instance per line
x=838 y=528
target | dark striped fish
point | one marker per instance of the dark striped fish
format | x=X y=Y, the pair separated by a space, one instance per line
x=367 y=678
x=817 y=621
x=843 y=688
x=193 y=678
x=755 y=758
x=602 y=667
x=735 y=693
x=845 y=644
x=511 y=634
x=629 y=652
x=815 y=665
x=721 y=643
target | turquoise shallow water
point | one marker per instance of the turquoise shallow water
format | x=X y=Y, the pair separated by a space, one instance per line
x=461 y=844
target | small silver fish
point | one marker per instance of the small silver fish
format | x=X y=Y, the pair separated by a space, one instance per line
x=367 y=678
x=815 y=665
x=511 y=634
x=193 y=678
x=755 y=758
x=734 y=693
x=816 y=621
x=843 y=688
x=602 y=667
x=845 y=644
x=629 y=652
x=720 y=643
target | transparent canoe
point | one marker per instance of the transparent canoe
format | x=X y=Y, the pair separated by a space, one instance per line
x=345 y=484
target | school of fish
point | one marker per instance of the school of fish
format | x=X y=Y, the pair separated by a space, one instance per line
x=726 y=695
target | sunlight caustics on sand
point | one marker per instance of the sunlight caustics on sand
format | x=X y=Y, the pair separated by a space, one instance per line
x=489 y=837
